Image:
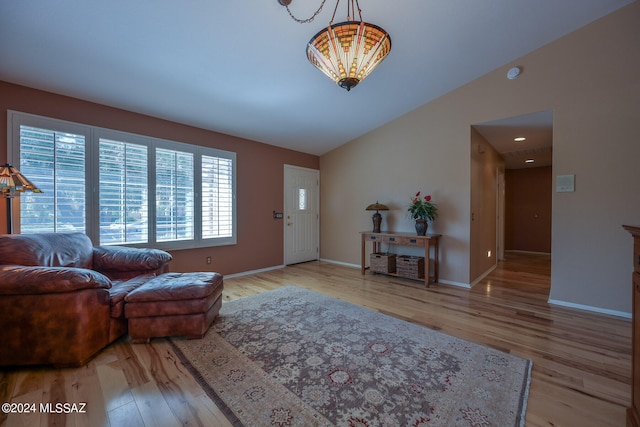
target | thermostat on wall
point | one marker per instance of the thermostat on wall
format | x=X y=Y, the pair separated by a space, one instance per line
x=565 y=183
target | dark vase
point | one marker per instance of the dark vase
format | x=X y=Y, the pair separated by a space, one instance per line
x=421 y=227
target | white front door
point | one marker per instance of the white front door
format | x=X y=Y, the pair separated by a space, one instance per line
x=301 y=214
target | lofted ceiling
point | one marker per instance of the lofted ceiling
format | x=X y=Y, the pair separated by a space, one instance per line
x=239 y=67
x=537 y=148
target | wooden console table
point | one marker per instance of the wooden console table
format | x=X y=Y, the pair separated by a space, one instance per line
x=405 y=239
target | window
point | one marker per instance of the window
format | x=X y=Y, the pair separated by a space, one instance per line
x=174 y=195
x=122 y=188
x=54 y=162
x=302 y=199
x=217 y=197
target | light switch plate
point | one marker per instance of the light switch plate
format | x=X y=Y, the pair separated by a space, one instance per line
x=565 y=183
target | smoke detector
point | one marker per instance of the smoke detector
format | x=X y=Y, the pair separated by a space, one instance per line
x=513 y=73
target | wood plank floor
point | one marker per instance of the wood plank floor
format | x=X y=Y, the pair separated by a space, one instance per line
x=581 y=360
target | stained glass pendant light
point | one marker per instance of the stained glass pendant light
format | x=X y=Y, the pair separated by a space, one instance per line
x=349 y=51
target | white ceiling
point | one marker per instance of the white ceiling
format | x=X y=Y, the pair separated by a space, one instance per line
x=537 y=128
x=239 y=67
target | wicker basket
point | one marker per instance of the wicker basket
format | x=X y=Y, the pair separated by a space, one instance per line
x=411 y=267
x=383 y=262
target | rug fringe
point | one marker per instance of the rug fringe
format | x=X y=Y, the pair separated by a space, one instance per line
x=525 y=393
x=220 y=403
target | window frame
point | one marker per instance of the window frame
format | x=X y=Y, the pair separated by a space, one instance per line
x=92 y=135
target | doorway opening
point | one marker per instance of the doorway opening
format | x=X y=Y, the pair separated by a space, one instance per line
x=524 y=189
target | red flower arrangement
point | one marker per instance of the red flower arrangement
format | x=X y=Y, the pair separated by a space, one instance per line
x=423 y=208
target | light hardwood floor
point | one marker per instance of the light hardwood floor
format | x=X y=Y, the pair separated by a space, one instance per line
x=581 y=360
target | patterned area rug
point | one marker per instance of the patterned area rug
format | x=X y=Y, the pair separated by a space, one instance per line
x=292 y=357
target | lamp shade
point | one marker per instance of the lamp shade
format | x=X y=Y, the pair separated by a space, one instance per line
x=377 y=207
x=348 y=51
x=12 y=181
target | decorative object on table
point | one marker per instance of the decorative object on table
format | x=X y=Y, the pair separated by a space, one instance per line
x=349 y=51
x=12 y=183
x=315 y=360
x=422 y=210
x=377 y=218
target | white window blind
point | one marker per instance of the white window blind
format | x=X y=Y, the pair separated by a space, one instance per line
x=55 y=163
x=217 y=197
x=174 y=195
x=124 y=200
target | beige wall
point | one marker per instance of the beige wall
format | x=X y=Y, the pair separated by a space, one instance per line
x=260 y=175
x=589 y=78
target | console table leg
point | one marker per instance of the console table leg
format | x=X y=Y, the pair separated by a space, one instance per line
x=362 y=259
x=427 y=272
x=436 y=257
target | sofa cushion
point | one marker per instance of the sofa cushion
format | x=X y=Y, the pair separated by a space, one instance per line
x=122 y=258
x=176 y=287
x=47 y=249
x=22 y=280
x=121 y=288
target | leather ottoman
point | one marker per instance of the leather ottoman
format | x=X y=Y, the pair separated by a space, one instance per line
x=174 y=304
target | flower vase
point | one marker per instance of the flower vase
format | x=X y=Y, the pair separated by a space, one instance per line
x=421 y=227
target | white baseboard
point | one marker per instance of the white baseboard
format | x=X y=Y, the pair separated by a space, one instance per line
x=590 y=308
x=344 y=264
x=483 y=275
x=452 y=283
x=527 y=252
x=246 y=273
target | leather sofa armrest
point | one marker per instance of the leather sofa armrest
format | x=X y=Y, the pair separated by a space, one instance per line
x=122 y=258
x=21 y=280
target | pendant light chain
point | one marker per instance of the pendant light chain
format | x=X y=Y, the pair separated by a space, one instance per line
x=335 y=9
x=359 y=10
x=306 y=21
x=351 y=10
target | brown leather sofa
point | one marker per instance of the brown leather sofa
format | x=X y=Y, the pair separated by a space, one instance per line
x=62 y=299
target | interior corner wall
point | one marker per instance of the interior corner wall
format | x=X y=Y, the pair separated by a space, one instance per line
x=528 y=194
x=259 y=175
x=589 y=79
x=485 y=163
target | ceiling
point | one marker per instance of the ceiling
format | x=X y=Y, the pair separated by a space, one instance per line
x=239 y=67
x=537 y=148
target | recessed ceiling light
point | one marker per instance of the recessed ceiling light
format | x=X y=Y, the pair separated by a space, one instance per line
x=520 y=138
x=529 y=161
